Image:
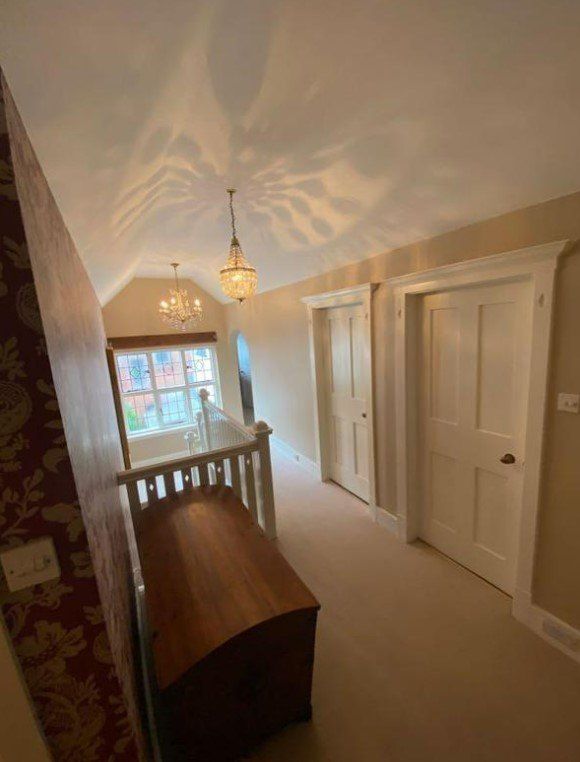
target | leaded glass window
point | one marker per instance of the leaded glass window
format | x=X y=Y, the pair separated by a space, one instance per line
x=160 y=388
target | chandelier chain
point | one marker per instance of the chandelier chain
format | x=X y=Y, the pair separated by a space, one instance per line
x=231 y=191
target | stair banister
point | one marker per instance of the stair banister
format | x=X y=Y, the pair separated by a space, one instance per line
x=240 y=459
x=267 y=516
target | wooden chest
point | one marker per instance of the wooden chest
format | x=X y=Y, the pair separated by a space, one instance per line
x=231 y=627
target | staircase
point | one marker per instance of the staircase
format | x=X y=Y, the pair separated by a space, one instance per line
x=222 y=452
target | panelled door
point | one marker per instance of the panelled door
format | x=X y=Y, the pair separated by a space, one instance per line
x=347 y=370
x=475 y=345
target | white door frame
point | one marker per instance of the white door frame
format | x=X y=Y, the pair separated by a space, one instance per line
x=537 y=265
x=315 y=305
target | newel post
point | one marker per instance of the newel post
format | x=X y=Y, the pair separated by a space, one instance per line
x=204 y=395
x=267 y=515
x=201 y=429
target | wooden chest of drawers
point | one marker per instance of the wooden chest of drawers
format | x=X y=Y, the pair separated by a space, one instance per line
x=231 y=626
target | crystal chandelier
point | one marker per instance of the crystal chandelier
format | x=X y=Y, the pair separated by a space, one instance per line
x=238 y=278
x=177 y=311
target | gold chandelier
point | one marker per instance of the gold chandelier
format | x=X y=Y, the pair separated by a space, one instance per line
x=238 y=278
x=176 y=310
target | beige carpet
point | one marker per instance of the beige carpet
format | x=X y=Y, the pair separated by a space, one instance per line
x=416 y=658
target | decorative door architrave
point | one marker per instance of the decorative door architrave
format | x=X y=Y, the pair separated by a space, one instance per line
x=537 y=264
x=316 y=305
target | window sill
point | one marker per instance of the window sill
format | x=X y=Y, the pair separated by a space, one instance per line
x=160 y=432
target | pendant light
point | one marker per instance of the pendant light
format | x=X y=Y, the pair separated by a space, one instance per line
x=176 y=310
x=238 y=278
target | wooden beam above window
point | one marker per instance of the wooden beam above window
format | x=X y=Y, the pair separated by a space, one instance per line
x=161 y=340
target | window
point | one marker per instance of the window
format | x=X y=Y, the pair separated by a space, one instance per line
x=160 y=388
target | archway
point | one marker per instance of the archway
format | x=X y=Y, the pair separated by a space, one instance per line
x=245 y=379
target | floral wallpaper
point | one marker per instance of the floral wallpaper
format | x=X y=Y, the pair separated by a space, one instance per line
x=61 y=630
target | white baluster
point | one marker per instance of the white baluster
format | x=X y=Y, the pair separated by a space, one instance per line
x=169 y=483
x=152 y=494
x=220 y=473
x=203 y=474
x=186 y=478
x=250 y=486
x=201 y=430
x=235 y=476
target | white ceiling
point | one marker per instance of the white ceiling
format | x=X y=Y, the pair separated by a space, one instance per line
x=349 y=127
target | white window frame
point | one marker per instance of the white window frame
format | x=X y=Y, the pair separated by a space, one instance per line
x=156 y=392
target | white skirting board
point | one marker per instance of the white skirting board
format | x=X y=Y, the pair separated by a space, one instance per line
x=558 y=633
x=384 y=518
x=379 y=515
x=551 y=629
x=301 y=460
x=387 y=520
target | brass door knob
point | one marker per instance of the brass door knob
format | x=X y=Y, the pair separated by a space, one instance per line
x=364 y=415
x=508 y=459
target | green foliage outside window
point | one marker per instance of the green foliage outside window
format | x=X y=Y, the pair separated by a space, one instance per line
x=134 y=422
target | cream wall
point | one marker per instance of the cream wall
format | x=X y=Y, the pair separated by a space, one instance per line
x=133 y=312
x=275 y=325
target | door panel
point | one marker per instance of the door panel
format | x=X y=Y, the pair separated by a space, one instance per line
x=473 y=399
x=361 y=450
x=338 y=383
x=443 y=361
x=357 y=356
x=491 y=511
x=443 y=477
x=340 y=448
x=347 y=384
x=497 y=325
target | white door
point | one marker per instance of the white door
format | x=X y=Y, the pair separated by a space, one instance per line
x=348 y=368
x=474 y=390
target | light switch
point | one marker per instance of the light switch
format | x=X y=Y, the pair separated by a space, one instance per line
x=569 y=403
x=30 y=564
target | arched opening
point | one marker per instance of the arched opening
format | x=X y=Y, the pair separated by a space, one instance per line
x=245 y=378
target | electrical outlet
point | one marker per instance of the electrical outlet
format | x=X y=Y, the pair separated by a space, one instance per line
x=569 y=403
x=30 y=564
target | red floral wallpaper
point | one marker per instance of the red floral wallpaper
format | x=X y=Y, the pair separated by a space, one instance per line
x=72 y=635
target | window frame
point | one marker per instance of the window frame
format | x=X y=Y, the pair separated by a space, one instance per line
x=156 y=392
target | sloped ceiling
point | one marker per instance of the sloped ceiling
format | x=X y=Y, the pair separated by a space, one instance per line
x=350 y=127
